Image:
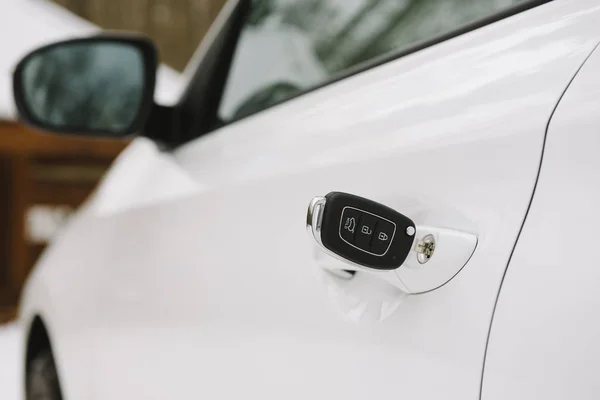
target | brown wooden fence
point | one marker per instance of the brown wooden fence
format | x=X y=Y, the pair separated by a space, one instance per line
x=175 y=25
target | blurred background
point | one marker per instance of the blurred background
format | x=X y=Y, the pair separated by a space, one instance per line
x=44 y=178
x=177 y=26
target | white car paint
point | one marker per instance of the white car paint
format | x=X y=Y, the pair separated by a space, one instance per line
x=11 y=362
x=213 y=290
x=544 y=339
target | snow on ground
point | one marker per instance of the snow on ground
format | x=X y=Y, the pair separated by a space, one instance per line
x=10 y=362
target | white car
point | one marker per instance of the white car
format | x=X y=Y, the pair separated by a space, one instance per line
x=448 y=153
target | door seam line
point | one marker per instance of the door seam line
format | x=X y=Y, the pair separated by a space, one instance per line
x=526 y=214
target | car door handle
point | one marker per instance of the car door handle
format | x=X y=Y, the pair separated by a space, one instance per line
x=371 y=237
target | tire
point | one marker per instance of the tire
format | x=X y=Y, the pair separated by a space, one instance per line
x=42 y=378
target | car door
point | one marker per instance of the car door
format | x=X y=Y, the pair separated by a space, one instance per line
x=551 y=334
x=221 y=292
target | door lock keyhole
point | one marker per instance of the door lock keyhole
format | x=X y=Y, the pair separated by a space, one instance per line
x=425 y=249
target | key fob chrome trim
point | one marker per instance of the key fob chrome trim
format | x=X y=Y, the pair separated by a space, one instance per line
x=314 y=218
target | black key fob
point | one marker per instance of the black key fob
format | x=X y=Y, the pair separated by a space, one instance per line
x=361 y=231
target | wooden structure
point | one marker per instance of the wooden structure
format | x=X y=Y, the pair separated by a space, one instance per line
x=42 y=178
x=177 y=26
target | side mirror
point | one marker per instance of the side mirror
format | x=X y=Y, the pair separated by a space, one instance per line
x=97 y=86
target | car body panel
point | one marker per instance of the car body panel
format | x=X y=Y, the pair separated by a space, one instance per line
x=544 y=338
x=213 y=290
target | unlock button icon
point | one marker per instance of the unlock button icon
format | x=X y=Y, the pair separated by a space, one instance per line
x=384 y=234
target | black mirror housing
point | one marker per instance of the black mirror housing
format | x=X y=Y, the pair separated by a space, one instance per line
x=99 y=86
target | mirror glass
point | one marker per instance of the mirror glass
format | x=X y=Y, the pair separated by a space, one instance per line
x=85 y=86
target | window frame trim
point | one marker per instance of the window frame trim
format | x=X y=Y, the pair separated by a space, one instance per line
x=216 y=123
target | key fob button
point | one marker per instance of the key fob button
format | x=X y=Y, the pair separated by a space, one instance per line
x=361 y=231
x=383 y=236
x=348 y=223
x=364 y=232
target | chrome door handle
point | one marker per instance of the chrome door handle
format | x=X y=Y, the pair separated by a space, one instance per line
x=368 y=236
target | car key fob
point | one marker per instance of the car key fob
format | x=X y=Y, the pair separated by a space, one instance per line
x=361 y=231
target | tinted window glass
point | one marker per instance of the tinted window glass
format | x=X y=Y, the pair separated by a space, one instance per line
x=288 y=46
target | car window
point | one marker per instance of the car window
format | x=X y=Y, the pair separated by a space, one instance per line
x=288 y=46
